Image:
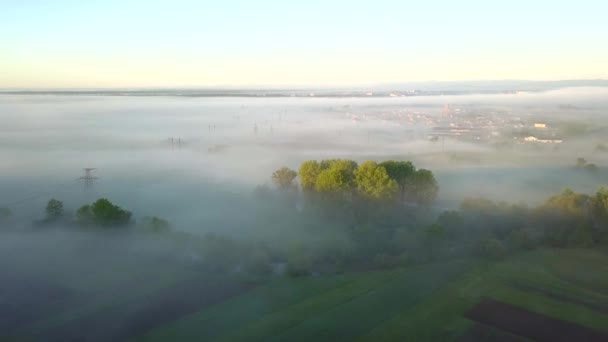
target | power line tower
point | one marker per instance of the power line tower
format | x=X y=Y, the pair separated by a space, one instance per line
x=88 y=178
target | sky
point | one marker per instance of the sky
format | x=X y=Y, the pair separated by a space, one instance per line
x=186 y=43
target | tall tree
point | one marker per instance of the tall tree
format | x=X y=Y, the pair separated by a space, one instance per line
x=373 y=181
x=54 y=209
x=402 y=172
x=107 y=214
x=423 y=189
x=338 y=176
x=283 y=177
x=309 y=172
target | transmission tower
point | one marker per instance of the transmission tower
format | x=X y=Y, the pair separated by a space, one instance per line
x=88 y=178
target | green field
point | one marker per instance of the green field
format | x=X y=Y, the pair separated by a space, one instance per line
x=417 y=303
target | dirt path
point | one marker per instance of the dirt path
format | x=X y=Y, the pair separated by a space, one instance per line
x=562 y=297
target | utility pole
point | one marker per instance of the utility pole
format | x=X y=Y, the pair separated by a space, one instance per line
x=88 y=178
x=176 y=142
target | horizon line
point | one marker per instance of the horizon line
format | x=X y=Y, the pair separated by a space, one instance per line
x=296 y=87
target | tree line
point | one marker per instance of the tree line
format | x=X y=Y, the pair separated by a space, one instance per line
x=361 y=222
x=344 y=179
x=101 y=214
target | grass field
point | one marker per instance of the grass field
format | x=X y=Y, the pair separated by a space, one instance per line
x=418 y=303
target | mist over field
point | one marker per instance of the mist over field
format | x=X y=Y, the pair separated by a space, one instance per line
x=202 y=208
x=46 y=141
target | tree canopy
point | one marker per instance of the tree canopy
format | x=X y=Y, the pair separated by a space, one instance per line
x=400 y=171
x=369 y=180
x=103 y=213
x=423 y=188
x=373 y=181
x=283 y=177
x=309 y=172
x=336 y=176
x=54 y=209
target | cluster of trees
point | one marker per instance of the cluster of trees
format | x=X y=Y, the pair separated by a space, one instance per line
x=371 y=229
x=390 y=235
x=483 y=227
x=343 y=178
x=101 y=214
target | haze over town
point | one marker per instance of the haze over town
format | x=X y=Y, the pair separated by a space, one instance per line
x=327 y=171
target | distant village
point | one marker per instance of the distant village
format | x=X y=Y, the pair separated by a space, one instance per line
x=472 y=125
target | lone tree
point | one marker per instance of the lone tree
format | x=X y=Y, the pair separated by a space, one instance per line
x=374 y=182
x=283 y=177
x=402 y=172
x=54 y=209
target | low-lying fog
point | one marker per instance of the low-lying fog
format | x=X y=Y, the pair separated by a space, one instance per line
x=196 y=161
x=224 y=147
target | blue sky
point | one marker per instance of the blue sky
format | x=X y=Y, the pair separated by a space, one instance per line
x=111 y=43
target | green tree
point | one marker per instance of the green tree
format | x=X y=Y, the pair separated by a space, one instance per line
x=54 y=209
x=373 y=181
x=600 y=203
x=309 y=172
x=423 y=189
x=107 y=214
x=283 y=177
x=570 y=203
x=401 y=171
x=84 y=215
x=337 y=176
